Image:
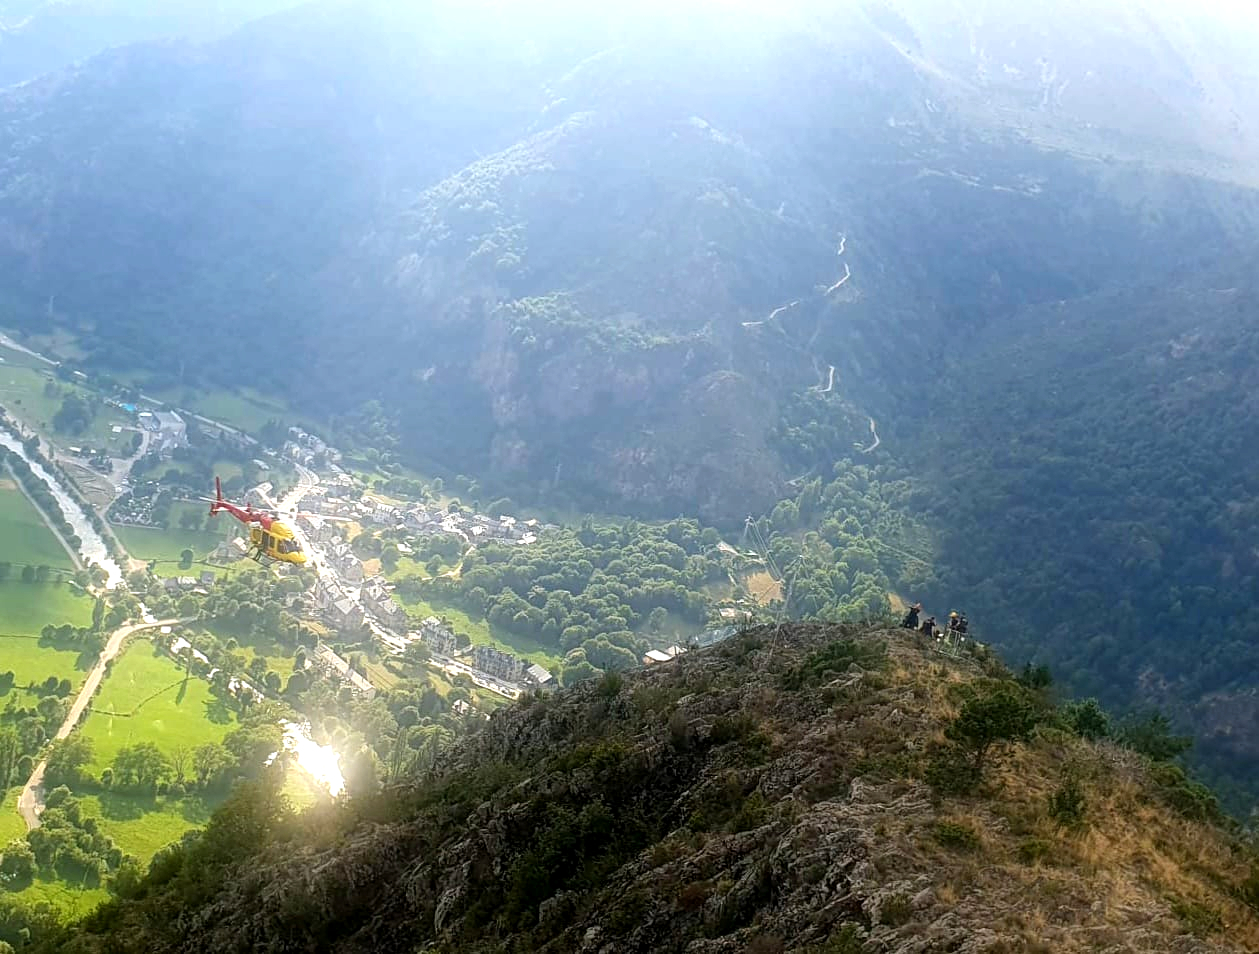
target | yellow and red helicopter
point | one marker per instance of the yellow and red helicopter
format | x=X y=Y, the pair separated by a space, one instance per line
x=270 y=537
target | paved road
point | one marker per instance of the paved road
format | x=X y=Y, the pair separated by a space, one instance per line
x=31 y=802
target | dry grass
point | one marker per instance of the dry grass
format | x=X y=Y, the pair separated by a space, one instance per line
x=1134 y=865
x=763 y=587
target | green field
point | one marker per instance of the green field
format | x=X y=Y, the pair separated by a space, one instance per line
x=24 y=536
x=246 y=410
x=22 y=391
x=183 y=713
x=483 y=633
x=165 y=546
x=141 y=825
x=72 y=901
x=26 y=608
x=11 y=824
x=33 y=663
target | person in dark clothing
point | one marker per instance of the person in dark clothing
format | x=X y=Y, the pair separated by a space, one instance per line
x=963 y=625
x=929 y=627
x=911 y=618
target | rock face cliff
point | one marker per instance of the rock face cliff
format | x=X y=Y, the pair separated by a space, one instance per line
x=767 y=795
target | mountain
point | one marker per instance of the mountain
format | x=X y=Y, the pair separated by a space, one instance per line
x=786 y=791
x=40 y=36
x=980 y=271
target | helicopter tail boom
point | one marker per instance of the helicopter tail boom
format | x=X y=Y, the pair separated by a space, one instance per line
x=216 y=505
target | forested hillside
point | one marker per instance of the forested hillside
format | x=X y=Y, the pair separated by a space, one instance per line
x=952 y=301
x=39 y=36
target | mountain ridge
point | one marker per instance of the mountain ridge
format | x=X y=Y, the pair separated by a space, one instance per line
x=780 y=792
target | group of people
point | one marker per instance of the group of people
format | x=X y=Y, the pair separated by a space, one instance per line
x=958 y=624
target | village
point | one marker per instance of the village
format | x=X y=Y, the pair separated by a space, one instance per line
x=154 y=489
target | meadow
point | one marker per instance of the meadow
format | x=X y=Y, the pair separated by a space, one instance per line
x=11 y=824
x=24 y=536
x=146 y=698
x=165 y=545
x=25 y=391
x=25 y=608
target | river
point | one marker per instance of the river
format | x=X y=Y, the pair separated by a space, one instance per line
x=92 y=548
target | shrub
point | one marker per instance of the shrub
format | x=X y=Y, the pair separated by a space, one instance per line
x=765 y=944
x=1033 y=851
x=832 y=660
x=1002 y=713
x=1087 y=719
x=896 y=910
x=728 y=806
x=956 y=835
x=1067 y=802
x=693 y=896
x=1191 y=799
x=1152 y=737
x=610 y=685
x=680 y=735
x=1199 y=919
x=847 y=940
x=1248 y=891
x=951 y=772
x=742 y=728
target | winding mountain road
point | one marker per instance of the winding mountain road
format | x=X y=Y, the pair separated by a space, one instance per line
x=30 y=803
x=873 y=430
x=840 y=284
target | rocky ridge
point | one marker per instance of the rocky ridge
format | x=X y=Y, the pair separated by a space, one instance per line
x=767 y=795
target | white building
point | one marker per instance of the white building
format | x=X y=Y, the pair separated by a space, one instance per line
x=172 y=432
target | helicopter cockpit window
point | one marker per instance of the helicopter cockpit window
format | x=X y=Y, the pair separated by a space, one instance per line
x=290 y=546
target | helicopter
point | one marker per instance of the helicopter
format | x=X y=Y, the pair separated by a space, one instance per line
x=271 y=538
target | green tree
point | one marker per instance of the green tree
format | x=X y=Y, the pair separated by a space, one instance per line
x=141 y=766
x=17 y=864
x=417 y=653
x=998 y=714
x=10 y=752
x=1151 y=735
x=185 y=559
x=211 y=763
x=66 y=760
x=1087 y=719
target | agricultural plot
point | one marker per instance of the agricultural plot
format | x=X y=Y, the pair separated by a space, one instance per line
x=33 y=394
x=24 y=536
x=166 y=545
x=26 y=608
x=143 y=825
x=146 y=698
